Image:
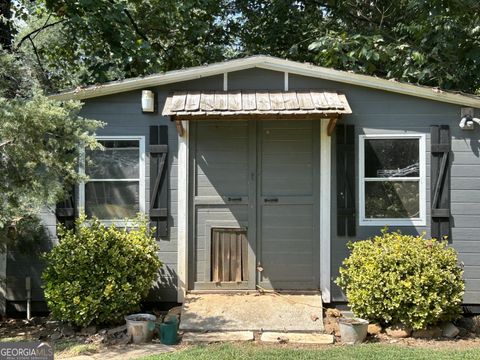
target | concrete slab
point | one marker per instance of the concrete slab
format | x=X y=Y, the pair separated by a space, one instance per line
x=297 y=338
x=254 y=312
x=217 y=336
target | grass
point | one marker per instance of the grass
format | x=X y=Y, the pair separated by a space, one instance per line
x=65 y=348
x=360 y=352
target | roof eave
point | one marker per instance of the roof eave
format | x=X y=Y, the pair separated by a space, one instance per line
x=268 y=63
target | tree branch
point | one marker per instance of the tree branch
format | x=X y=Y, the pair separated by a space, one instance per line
x=5 y=143
x=37 y=31
x=135 y=26
x=36 y=55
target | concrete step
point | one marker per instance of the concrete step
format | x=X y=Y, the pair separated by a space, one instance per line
x=297 y=338
x=217 y=336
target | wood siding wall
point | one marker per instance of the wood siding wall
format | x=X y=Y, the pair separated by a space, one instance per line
x=379 y=112
x=374 y=112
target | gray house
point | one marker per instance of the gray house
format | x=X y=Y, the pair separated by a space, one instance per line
x=257 y=172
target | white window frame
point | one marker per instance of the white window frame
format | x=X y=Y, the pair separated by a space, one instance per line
x=418 y=221
x=141 y=189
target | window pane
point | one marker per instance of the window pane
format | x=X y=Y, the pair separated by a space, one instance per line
x=392 y=158
x=119 y=160
x=392 y=199
x=112 y=199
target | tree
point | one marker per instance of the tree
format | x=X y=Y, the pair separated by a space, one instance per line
x=434 y=43
x=102 y=40
x=39 y=143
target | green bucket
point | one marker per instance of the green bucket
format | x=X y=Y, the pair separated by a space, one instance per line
x=168 y=331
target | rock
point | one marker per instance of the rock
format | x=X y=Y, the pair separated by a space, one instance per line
x=331 y=326
x=52 y=324
x=56 y=336
x=177 y=310
x=38 y=320
x=117 y=330
x=463 y=332
x=335 y=313
x=470 y=323
x=43 y=335
x=449 y=330
x=374 y=329
x=124 y=339
x=89 y=330
x=398 y=331
x=428 y=333
x=67 y=330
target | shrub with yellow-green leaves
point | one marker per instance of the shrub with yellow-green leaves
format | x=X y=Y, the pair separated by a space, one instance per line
x=98 y=274
x=395 y=278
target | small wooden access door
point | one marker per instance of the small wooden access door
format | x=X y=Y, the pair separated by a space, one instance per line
x=229 y=255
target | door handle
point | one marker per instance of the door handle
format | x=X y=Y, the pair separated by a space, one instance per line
x=271 y=200
x=234 y=199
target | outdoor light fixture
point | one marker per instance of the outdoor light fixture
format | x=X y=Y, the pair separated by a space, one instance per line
x=148 y=101
x=467 y=122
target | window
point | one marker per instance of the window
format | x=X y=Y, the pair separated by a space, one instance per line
x=392 y=180
x=115 y=189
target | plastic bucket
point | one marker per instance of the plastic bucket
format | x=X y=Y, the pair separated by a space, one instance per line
x=168 y=331
x=140 y=327
x=353 y=330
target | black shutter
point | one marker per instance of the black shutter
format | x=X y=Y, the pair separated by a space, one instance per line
x=345 y=137
x=65 y=210
x=440 y=181
x=159 y=180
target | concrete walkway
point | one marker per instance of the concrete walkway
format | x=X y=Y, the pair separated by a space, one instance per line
x=253 y=312
x=124 y=352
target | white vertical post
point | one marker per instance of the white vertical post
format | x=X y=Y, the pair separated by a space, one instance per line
x=325 y=208
x=225 y=81
x=182 y=228
x=285 y=81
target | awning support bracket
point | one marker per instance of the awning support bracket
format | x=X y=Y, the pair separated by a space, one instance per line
x=180 y=128
x=331 y=126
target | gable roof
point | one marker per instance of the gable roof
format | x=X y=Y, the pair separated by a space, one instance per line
x=269 y=63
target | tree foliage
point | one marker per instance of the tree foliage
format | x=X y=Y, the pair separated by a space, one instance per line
x=109 y=39
x=433 y=43
x=39 y=144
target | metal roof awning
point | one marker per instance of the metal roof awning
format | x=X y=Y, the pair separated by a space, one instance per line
x=304 y=104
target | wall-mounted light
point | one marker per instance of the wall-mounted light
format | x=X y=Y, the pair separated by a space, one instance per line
x=148 y=101
x=467 y=122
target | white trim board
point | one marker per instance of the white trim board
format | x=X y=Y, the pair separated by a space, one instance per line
x=182 y=227
x=325 y=208
x=269 y=63
x=422 y=219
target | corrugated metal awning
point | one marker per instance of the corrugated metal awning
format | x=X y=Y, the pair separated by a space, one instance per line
x=269 y=104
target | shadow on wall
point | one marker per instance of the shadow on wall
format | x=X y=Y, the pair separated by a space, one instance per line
x=24 y=249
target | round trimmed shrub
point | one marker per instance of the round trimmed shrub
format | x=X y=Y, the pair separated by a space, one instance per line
x=395 y=278
x=98 y=274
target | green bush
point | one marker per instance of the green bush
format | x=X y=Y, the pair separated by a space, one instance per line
x=395 y=278
x=97 y=274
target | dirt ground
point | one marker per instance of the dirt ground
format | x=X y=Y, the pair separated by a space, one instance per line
x=77 y=344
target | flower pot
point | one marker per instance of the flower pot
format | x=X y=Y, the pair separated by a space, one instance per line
x=353 y=330
x=140 y=327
